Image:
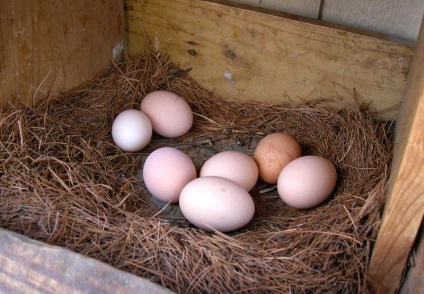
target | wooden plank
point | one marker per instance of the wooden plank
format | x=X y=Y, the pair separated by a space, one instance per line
x=29 y=266
x=247 y=54
x=305 y=8
x=404 y=209
x=52 y=46
x=414 y=282
x=393 y=17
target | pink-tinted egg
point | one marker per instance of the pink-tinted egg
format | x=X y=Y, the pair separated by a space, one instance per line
x=170 y=115
x=307 y=181
x=232 y=165
x=166 y=171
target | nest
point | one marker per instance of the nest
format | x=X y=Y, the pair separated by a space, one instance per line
x=64 y=182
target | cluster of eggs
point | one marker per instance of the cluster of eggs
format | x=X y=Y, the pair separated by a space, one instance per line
x=302 y=181
x=163 y=112
x=218 y=199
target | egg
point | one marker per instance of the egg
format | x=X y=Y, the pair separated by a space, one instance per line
x=232 y=165
x=170 y=115
x=215 y=203
x=131 y=130
x=273 y=153
x=307 y=181
x=166 y=171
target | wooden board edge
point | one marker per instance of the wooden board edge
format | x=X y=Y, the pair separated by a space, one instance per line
x=414 y=282
x=404 y=208
x=314 y=21
x=29 y=266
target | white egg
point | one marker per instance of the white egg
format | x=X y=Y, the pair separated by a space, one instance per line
x=131 y=130
x=215 y=203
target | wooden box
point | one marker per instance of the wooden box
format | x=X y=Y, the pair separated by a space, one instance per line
x=237 y=52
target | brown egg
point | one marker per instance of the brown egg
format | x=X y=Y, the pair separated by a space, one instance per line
x=273 y=153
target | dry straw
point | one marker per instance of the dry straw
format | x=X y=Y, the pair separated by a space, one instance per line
x=64 y=182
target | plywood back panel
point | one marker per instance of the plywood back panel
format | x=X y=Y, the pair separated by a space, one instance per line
x=51 y=46
x=255 y=55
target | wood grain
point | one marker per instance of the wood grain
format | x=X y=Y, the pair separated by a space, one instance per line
x=305 y=8
x=404 y=209
x=414 y=282
x=392 y=17
x=52 y=46
x=247 y=54
x=29 y=266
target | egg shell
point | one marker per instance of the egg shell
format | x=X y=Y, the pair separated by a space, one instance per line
x=216 y=203
x=166 y=171
x=232 y=165
x=131 y=130
x=170 y=115
x=273 y=153
x=307 y=181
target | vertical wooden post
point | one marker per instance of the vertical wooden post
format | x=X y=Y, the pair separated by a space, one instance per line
x=405 y=204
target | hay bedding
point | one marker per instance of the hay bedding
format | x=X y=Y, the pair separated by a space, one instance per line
x=64 y=182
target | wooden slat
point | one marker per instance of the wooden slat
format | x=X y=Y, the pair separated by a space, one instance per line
x=55 y=45
x=414 y=282
x=393 y=17
x=305 y=8
x=28 y=266
x=247 y=54
x=404 y=209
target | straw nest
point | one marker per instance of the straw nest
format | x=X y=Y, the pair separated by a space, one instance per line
x=64 y=182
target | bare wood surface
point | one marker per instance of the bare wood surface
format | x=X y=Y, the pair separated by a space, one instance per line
x=414 y=282
x=404 y=209
x=28 y=266
x=52 y=46
x=247 y=54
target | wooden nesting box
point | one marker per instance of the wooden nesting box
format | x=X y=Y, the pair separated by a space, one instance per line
x=240 y=53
